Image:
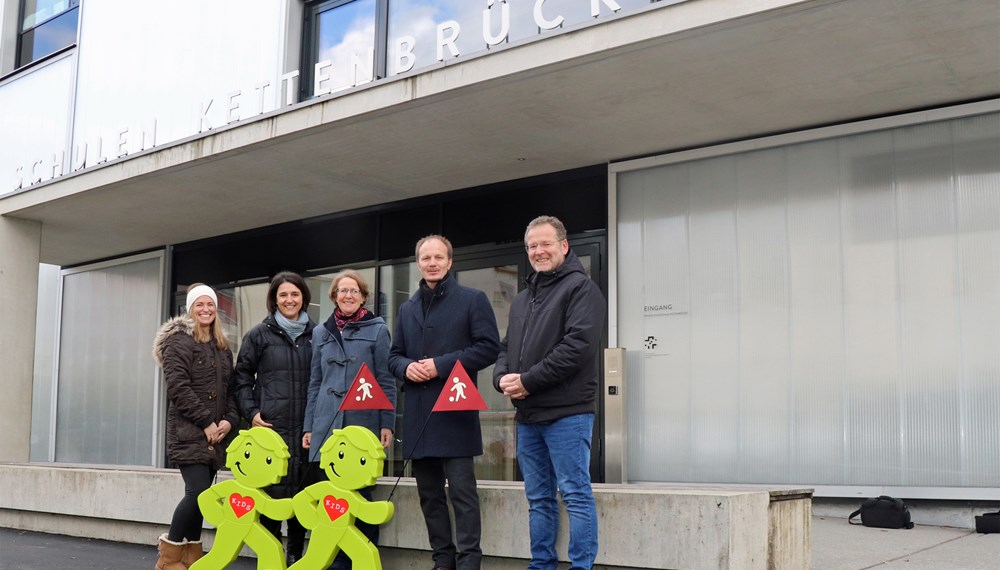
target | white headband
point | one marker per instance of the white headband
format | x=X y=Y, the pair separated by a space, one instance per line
x=200 y=291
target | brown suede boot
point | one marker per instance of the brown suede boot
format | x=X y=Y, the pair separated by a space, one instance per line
x=192 y=552
x=170 y=555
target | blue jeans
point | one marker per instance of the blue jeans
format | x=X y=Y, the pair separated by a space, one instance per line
x=555 y=456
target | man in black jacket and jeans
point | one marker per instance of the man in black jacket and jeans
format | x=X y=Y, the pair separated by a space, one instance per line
x=548 y=367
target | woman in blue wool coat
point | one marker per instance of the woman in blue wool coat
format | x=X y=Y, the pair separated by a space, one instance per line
x=352 y=336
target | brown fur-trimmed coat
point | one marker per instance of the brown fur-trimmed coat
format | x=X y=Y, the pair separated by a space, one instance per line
x=199 y=391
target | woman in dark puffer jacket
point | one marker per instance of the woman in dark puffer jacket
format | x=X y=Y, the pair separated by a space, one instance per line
x=197 y=368
x=272 y=375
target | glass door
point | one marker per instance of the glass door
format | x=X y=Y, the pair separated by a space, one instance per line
x=589 y=251
x=499 y=278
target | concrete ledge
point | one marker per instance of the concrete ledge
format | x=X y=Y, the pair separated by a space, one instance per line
x=641 y=526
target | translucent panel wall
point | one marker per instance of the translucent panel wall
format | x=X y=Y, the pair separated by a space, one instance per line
x=825 y=313
x=107 y=380
x=33 y=139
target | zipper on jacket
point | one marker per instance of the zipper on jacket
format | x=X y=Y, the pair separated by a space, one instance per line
x=293 y=369
x=220 y=402
x=524 y=330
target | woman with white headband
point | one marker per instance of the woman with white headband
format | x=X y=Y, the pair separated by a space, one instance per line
x=201 y=411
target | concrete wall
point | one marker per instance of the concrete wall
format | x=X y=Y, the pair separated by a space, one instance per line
x=19 y=250
x=789 y=526
x=640 y=526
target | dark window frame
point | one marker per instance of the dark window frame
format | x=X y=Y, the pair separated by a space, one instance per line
x=309 y=51
x=22 y=32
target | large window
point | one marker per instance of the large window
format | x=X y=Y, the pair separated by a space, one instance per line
x=423 y=33
x=47 y=26
x=344 y=40
x=489 y=256
x=244 y=306
x=350 y=42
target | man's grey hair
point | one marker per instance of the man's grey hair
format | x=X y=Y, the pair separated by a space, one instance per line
x=552 y=221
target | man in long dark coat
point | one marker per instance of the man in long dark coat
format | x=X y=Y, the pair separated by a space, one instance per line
x=442 y=323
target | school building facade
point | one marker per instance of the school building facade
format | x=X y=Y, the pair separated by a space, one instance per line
x=792 y=207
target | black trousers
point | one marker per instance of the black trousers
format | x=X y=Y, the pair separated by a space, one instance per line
x=431 y=473
x=300 y=476
x=296 y=533
x=187 y=519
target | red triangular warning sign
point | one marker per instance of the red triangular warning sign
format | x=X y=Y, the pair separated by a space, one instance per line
x=459 y=393
x=365 y=393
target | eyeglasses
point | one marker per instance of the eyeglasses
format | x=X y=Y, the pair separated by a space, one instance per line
x=347 y=291
x=542 y=244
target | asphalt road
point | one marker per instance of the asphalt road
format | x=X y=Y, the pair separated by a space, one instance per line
x=22 y=550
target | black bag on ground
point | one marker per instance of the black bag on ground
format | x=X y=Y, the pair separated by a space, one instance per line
x=988 y=523
x=883 y=512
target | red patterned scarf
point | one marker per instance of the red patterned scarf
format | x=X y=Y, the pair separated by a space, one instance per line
x=341 y=319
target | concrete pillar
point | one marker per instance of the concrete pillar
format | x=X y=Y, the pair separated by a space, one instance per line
x=20 y=243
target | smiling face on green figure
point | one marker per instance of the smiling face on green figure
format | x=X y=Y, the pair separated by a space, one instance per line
x=352 y=457
x=252 y=462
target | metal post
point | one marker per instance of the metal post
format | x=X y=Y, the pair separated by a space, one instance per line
x=615 y=432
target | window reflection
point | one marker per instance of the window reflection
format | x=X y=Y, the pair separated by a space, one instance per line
x=397 y=283
x=413 y=26
x=37 y=11
x=359 y=40
x=44 y=35
x=499 y=459
x=345 y=46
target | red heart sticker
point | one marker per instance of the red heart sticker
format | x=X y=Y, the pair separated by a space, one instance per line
x=335 y=508
x=241 y=505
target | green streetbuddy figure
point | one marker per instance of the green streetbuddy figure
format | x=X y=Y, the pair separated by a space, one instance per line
x=352 y=459
x=258 y=457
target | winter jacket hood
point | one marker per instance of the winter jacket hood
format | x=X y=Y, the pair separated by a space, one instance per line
x=176 y=325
